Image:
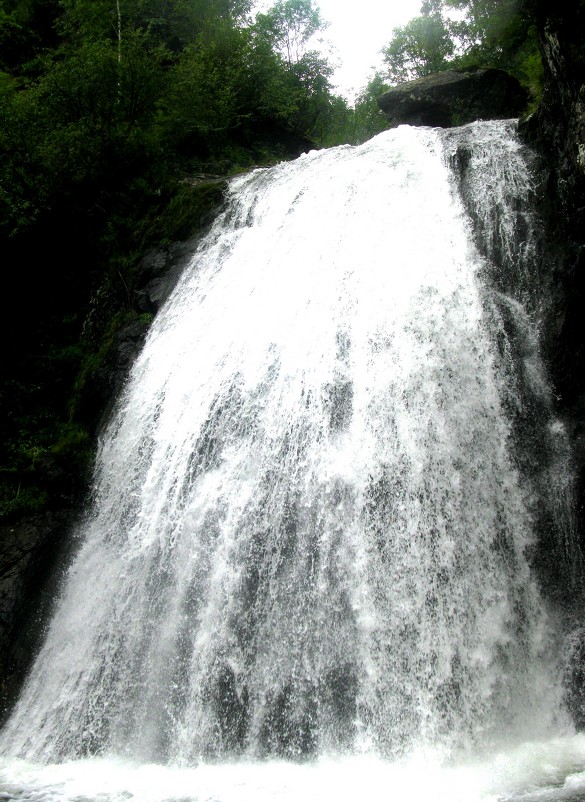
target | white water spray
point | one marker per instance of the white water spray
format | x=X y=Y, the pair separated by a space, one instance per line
x=310 y=531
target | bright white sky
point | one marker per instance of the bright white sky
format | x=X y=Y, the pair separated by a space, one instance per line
x=357 y=32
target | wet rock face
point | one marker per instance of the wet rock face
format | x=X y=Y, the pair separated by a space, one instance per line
x=454 y=97
x=560 y=120
x=557 y=132
x=30 y=551
x=574 y=677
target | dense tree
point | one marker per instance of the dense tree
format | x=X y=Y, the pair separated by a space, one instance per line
x=173 y=23
x=221 y=85
x=499 y=33
x=364 y=120
x=289 y=25
x=420 y=47
x=120 y=82
x=27 y=30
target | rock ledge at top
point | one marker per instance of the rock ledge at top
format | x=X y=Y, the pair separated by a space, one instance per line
x=454 y=97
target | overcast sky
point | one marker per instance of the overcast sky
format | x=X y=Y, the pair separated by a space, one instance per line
x=357 y=32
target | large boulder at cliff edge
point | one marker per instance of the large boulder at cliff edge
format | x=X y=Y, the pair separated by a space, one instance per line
x=454 y=97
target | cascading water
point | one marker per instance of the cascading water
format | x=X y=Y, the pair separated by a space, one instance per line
x=312 y=523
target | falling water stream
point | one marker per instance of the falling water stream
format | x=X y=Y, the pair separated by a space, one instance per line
x=306 y=572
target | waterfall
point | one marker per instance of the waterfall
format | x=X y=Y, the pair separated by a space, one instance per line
x=316 y=507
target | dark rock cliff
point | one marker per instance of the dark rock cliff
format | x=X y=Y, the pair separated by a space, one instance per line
x=557 y=133
x=454 y=97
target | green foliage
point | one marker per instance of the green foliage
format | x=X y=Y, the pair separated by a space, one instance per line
x=364 y=120
x=26 y=500
x=368 y=119
x=24 y=185
x=302 y=75
x=308 y=89
x=289 y=25
x=420 y=47
x=12 y=39
x=178 y=213
x=499 y=33
x=27 y=31
x=45 y=450
x=216 y=86
x=29 y=448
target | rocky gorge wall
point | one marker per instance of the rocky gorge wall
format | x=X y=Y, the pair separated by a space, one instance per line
x=557 y=132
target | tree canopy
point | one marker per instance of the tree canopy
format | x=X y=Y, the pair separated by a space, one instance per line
x=420 y=47
x=289 y=25
x=95 y=86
